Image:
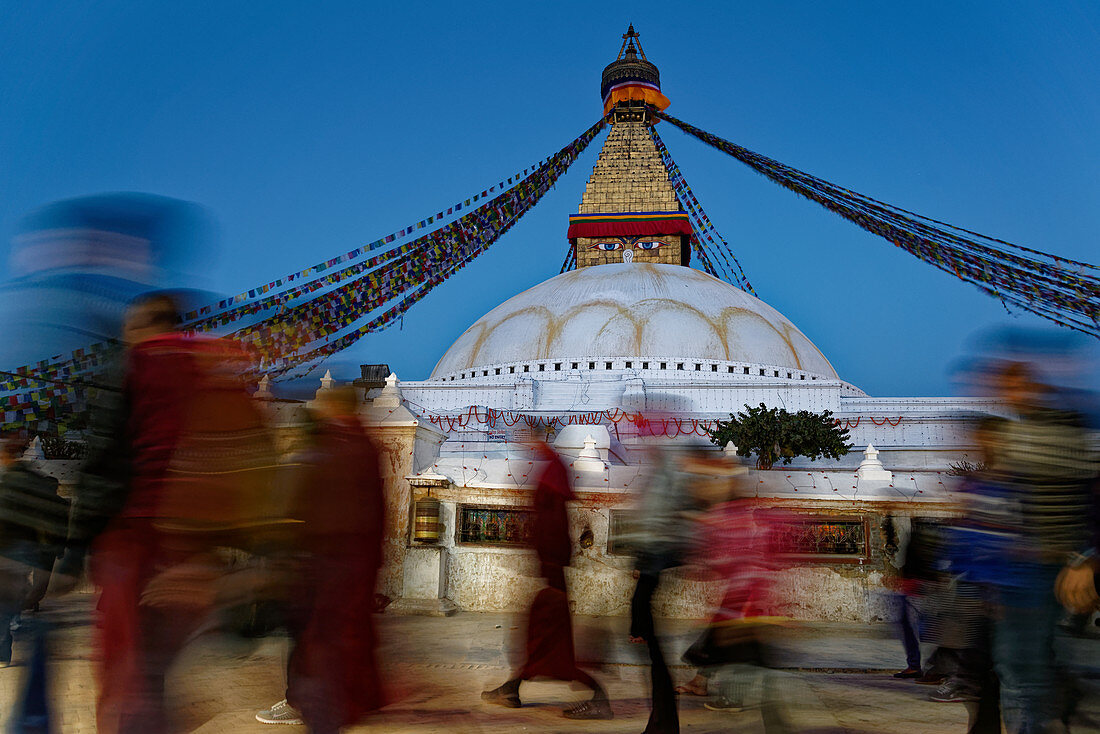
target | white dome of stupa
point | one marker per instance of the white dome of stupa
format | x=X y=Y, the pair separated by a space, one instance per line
x=636 y=311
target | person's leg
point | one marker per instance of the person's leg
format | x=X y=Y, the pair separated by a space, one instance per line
x=507 y=693
x=986 y=716
x=973 y=668
x=597 y=707
x=12 y=587
x=120 y=569
x=335 y=680
x=704 y=656
x=1023 y=652
x=40 y=579
x=907 y=621
x=663 y=719
x=32 y=711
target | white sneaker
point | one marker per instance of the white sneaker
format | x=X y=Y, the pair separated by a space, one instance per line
x=280 y=713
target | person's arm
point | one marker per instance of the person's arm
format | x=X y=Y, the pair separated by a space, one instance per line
x=103 y=483
x=1076 y=584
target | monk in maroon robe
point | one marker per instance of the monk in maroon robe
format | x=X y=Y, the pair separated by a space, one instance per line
x=549 y=627
x=333 y=679
x=127 y=497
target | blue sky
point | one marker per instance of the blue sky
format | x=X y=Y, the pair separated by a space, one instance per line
x=307 y=129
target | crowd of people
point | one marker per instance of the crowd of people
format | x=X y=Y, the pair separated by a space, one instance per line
x=183 y=470
x=184 y=479
x=187 y=508
x=988 y=587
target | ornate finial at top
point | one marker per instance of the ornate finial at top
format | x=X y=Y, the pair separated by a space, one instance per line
x=631 y=77
x=627 y=49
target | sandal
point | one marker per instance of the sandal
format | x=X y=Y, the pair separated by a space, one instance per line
x=597 y=708
x=503 y=696
x=692 y=689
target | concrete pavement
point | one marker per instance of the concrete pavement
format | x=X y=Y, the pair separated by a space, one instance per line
x=837 y=679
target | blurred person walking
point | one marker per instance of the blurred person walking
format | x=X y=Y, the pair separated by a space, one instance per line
x=896 y=530
x=144 y=513
x=1040 y=486
x=740 y=544
x=333 y=676
x=33 y=524
x=662 y=538
x=549 y=648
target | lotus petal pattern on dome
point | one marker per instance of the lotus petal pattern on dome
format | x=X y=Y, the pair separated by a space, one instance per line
x=641 y=310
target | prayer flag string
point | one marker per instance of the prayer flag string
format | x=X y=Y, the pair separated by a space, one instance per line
x=288 y=339
x=279 y=340
x=1059 y=289
x=703 y=226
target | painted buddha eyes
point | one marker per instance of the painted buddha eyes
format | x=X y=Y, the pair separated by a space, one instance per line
x=630 y=243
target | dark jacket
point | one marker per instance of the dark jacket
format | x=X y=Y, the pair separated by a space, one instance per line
x=31 y=512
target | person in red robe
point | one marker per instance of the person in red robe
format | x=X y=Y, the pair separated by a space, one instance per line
x=120 y=511
x=549 y=628
x=333 y=677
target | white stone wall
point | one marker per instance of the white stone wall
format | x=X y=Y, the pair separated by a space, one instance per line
x=481 y=578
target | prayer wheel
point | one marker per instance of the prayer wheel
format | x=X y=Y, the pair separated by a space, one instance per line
x=426 y=524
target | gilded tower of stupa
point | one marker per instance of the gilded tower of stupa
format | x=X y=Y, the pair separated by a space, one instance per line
x=629 y=211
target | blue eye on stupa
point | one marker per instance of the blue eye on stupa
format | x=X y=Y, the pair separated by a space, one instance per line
x=649 y=245
x=606 y=246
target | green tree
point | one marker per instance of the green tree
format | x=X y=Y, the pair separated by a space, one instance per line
x=773 y=434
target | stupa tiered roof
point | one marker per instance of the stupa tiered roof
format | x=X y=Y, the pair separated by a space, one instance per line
x=633 y=300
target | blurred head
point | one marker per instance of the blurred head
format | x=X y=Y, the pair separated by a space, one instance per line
x=76 y=266
x=340 y=401
x=1015 y=383
x=150 y=315
x=714 y=478
x=12 y=446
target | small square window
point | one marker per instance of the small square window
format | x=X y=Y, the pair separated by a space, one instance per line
x=607 y=365
x=746 y=370
x=645 y=365
x=512 y=370
x=485 y=373
x=664 y=365
x=776 y=373
x=679 y=365
x=761 y=373
x=557 y=366
x=730 y=369
x=788 y=375
x=802 y=377
x=574 y=366
x=698 y=367
x=542 y=368
x=629 y=365
x=714 y=368
x=591 y=365
x=498 y=370
x=526 y=368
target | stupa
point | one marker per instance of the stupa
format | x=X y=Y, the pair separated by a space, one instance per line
x=635 y=329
